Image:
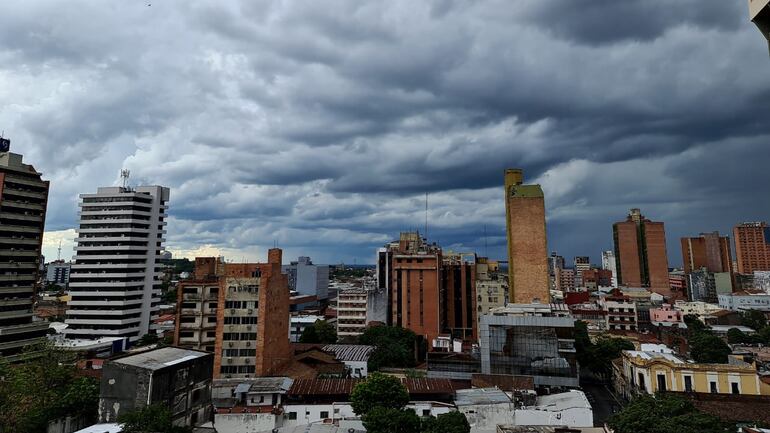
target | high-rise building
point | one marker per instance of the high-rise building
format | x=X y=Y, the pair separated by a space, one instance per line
x=239 y=311
x=581 y=263
x=307 y=278
x=527 y=249
x=115 y=277
x=752 y=247
x=640 y=253
x=565 y=280
x=23 y=202
x=58 y=273
x=608 y=263
x=759 y=12
x=430 y=293
x=351 y=312
x=555 y=264
x=709 y=250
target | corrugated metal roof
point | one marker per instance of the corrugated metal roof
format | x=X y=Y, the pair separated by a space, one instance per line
x=161 y=358
x=350 y=352
x=477 y=396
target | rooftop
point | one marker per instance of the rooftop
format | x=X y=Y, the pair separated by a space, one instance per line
x=563 y=401
x=350 y=352
x=102 y=428
x=649 y=356
x=161 y=358
x=478 y=396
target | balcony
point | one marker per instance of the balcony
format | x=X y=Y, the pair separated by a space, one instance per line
x=26 y=181
x=21 y=217
x=13 y=314
x=17 y=277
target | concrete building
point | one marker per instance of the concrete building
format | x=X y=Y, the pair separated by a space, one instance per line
x=706 y=286
x=198 y=306
x=752 y=247
x=592 y=279
x=351 y=312
x=298 y=323
x=709 y=250
x=580 y=264
x=677 y=280
x=530 y=339
x=640 y=253
x=115 y=278
x=179 y=379
x=307 y=278
x=458 y=283
x=527 y=245
x=58 y=273
x=666 y=314
x=759 y=13
x=608 y=264
x=379 y=307
x=696 y=308
x=565 y=280
x=23 y=203
x=621 y=312
x=743 y=301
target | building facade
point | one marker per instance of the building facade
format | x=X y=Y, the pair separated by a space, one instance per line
x=533 y=340
x=709 y=250
x=58 y=273
x=23 y=203
x=640 y=253
x=744 y=301
x=115 y=277
x=351 y=312
x=621 y=313
x=752 y=247
x=608 y=264
x=527 y=246
x=580 y=264
x=759 y=13
x=307 y=278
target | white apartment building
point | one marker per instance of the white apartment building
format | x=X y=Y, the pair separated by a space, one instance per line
x=351 y=312
x=609 y=264
x=745 y=301
x=115 y=276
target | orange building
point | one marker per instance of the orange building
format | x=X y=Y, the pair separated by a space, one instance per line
x=238 y=311
x=752 y=247
x=527 y=249
x=640 y=253
x=709 y=250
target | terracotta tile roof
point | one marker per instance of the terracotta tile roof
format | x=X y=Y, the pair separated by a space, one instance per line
x=729 y=407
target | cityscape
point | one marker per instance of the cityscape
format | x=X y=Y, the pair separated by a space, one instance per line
x=467 y=298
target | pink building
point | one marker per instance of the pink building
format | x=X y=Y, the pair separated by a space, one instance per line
x=666 y=313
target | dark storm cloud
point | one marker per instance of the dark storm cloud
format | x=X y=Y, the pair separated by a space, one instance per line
x=320 y=126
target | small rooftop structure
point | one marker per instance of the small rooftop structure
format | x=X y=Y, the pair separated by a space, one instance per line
x=563 y=401
x=649 y=356
x=479 y=396
x=160 y=358
x=102 y=428
x=350 y=352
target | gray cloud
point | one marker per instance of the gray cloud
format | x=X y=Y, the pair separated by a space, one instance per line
x=320 y=126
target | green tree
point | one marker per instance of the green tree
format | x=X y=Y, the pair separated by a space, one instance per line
x=754 y=319
x=394 y=347
x=389 y=420
x=378 y=390
x=154 y=418
x=706 y=347
x=320 y=332
x=452 y=422
x=694 y=325
x=42 y=389
x=665 y=414
x=597 y=357
x=147 y=339
x=736 y=336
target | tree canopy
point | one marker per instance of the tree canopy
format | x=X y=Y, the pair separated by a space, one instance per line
x=452 y=422
x=154 y=418
x=378 y=390
x=42 y=389
x=754 y=319
x=394 y=347
x=597 y=357
x=664 y=414
x=320 y=332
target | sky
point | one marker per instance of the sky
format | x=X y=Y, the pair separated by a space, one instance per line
x=320 y=126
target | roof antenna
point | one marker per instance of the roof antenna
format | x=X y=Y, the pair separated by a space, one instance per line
x=485 y=241
x=426 y=217
x=124 y=174
x=58 y=254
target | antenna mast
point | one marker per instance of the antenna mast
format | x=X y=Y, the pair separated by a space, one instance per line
x=124 y=174
x=426 y=217
x=58 y=254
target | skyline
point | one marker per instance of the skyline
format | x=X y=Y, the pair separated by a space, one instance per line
x=278 y=124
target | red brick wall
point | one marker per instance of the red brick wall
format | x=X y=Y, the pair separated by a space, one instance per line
x=273 y=348
x=528 y=255
x=630 y=273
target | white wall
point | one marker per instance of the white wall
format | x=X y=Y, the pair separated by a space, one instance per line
x=244 y=422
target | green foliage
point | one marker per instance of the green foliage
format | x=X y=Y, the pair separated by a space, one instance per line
x=665 y=414
x=320 y=332
x=452 y=422
x=43 y=389
x=394 y=347
x=705 y=347
x=378 y=390
x=597 y=357
x=155 y=418
x=169 y=295
x=147 y=339
x=389 y=420
x=754 y=319
x=694 y=325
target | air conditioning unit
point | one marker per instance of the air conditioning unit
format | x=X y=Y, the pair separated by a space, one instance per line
x=229 y=360
x=248 y=344
x=251 y=311
x=248 y=327
x=232 y=311
x=230 y=344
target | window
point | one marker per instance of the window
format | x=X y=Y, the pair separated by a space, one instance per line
x=211 y=334
x=247 y=352
x=186 y=334
x=426 y=412
x=292 y=415
x=641 y=382
x=688 y=384
x=713 y=387
x=324 y=414
x=190 y=290
x=187 y=319
x=189 y=305
x=211 y=320
x=661 y=383
x=213 y=291
x=735 y=388
x=213 y=305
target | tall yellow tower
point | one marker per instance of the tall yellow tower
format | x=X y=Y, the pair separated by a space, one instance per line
x=527 y=246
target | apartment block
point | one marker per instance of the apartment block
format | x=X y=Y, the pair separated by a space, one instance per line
x=58 y=273
x=458 y=284
x=23 y=203
x=609 y=264
x=527 y=246
x=640 y=253
x=351 y=312
x=621 y=312
x=752 y=247
x=595 y=278
x=580 y=264
x=565 y=280
x=709 y=250
x=307 y=278
x=115 y=277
